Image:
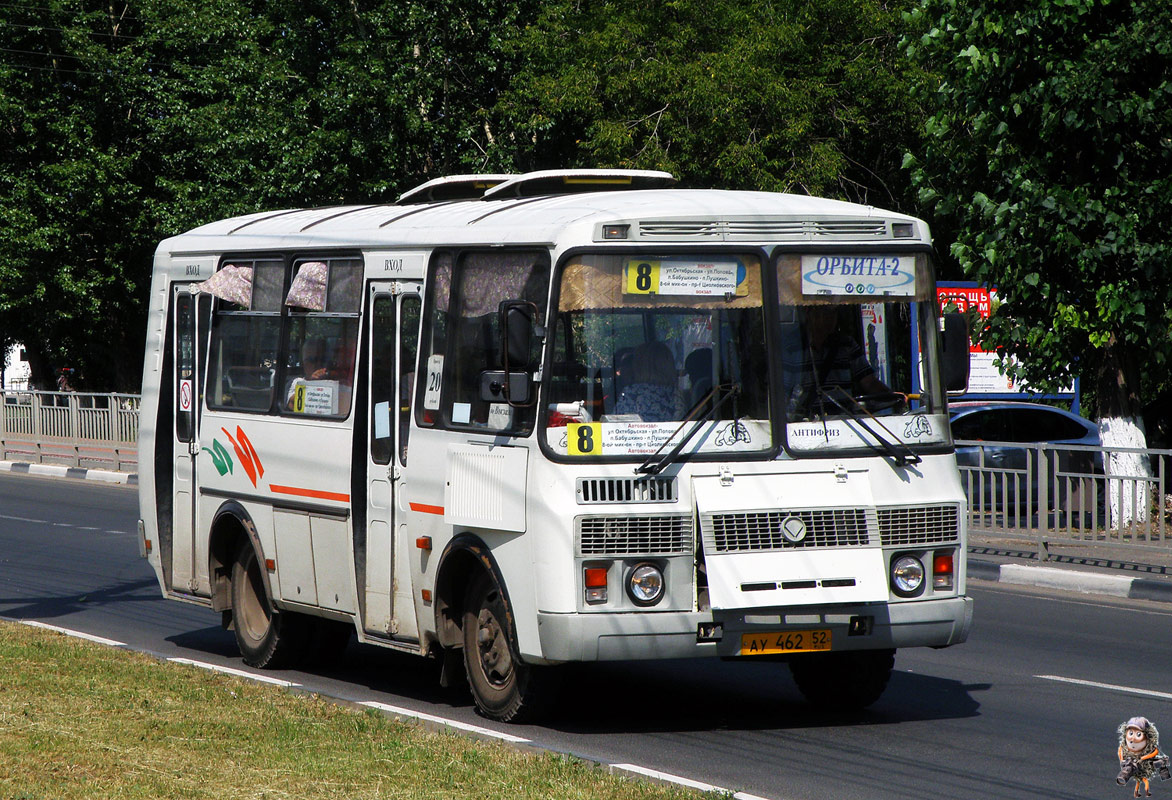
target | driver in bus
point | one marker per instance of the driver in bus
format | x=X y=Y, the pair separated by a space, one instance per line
x=828 y=362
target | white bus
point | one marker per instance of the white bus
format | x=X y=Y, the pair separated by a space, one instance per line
x=516 y=421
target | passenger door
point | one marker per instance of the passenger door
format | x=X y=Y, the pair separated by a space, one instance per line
x=190 y=316
x=384 y=571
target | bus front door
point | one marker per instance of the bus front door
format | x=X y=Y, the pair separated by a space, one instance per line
x=190 y=317
x=383 y=569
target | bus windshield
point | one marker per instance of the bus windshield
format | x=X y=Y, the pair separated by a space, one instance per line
x=645 y=348
x=651 y=352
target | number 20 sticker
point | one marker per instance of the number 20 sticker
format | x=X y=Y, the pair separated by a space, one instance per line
x=584 y=439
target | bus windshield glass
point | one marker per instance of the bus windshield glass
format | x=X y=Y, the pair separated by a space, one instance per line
x=652 y=350
x=849 y=327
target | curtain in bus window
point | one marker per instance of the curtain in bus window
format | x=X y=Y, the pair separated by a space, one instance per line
x=308 y=289
x=232 y=284
x=489 y=279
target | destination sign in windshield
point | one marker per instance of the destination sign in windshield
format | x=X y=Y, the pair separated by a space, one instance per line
x=847 y=275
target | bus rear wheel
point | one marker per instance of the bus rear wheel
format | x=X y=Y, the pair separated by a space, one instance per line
x=845 y=681
x=267 y=638
x=504 y=687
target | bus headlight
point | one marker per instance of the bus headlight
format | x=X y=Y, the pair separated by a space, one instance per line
x=907 y=576
x=645 y=584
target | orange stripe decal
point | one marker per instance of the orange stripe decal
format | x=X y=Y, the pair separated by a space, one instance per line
x=426 y=509
x=314 y=493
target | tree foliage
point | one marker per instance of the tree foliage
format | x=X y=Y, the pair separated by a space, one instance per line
x=1047 y=150
x=766 y=94
x=126 y=123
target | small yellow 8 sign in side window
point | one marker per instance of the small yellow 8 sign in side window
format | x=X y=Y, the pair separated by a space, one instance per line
x=584 y=438
x=642 y=277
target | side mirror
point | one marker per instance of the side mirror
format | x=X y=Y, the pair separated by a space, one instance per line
x=516 y=325
x=955 y=352
x=517 y=320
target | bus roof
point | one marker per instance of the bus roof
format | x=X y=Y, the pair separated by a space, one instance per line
x=661 y=215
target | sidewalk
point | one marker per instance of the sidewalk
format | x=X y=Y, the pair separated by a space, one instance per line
x=1135 y=573
x=57 y=471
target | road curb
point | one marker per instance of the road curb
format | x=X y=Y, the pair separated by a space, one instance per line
x=1072 y=580
x=58 y=471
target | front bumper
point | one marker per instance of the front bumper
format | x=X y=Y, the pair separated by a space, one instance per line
x=652 y=635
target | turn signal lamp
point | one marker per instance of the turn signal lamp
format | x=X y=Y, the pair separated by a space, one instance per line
x=942 y=570
x=594 y=579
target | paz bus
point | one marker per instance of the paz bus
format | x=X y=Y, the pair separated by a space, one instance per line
x=515 y=421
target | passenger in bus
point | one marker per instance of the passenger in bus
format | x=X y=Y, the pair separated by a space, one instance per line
x=313 y=367
x=652 y=392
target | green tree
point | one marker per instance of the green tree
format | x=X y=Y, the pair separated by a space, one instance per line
x=126 y=123
x=776 y=95
x=1047 y=151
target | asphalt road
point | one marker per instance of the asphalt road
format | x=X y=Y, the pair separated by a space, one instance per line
x=1028 y=707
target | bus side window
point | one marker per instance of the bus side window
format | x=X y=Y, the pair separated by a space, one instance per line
x=462 y=336
x=246 y=336
x=324 y=300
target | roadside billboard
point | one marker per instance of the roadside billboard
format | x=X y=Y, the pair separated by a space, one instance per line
x=986 y=380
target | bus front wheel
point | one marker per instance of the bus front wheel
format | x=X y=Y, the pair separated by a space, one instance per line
x=845 y=681
x=505 y=688
x=267 y=638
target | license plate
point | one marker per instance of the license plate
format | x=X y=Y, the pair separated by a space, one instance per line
x=772 y=643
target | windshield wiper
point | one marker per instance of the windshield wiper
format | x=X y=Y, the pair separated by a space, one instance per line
x=717 y=396
x=894 y=447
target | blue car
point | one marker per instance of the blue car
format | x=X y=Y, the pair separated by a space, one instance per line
x=999 y=482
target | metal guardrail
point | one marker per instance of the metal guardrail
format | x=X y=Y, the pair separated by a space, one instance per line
x=1053 y=494
x=1068 y=495
x=70 y=428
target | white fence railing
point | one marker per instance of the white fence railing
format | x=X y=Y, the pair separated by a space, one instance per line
x=70 y=428
x=1068 y=495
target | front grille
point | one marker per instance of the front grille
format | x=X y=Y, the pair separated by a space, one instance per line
x=626 y=490
x=635 y=535
x=762 y=530
x=919 y=525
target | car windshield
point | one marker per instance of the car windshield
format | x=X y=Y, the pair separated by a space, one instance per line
x=650 y=350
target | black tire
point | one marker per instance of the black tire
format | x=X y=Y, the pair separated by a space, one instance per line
x=504 y=687
x=847 y=681
x=268 y=639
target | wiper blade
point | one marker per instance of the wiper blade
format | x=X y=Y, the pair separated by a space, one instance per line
x=717 y=396
x=893 y=447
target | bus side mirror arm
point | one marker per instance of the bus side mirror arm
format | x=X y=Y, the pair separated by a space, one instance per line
x=955 y=347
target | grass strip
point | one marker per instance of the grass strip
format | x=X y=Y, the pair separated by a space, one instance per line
x=78 y=720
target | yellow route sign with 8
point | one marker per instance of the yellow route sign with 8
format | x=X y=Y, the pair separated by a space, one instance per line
x=584 y=438
x=642 y=277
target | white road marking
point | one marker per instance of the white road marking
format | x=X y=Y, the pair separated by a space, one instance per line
x=239 y=673
x=24 y=519
x=676 y=779
x=89 y=637
x=447 y=723
x=1109 y=686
